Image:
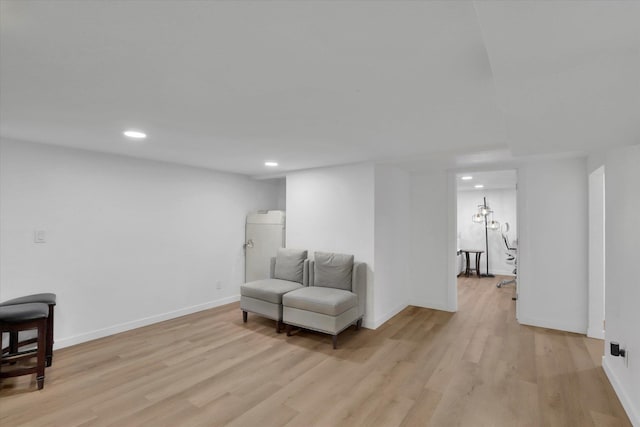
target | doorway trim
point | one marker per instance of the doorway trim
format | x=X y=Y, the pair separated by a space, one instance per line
x=452 y=201
x=596 y=317
x=452 y=192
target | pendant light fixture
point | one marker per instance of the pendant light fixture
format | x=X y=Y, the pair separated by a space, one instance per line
x=493 y=225
x=481 y=216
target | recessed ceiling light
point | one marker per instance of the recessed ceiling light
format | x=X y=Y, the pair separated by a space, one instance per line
x=466 y=178
x=271 y=164
x=478 y=186
x=134 y=134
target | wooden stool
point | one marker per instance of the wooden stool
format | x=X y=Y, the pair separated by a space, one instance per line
x=478 y=254
x=24 y=317
x=46 y=298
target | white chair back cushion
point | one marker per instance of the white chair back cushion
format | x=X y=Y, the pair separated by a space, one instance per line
x=333 y=270
x=290 y=265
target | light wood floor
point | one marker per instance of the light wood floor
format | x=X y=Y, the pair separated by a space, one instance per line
x=477 y=367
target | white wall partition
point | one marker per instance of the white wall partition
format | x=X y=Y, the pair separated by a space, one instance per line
x=433 y=219
x=622 y=285
x=364 y=210
x=332 y=209
x=128 y=242
x=392 y=241
x=552 y=237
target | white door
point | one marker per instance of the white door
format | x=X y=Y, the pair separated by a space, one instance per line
x=264 y=236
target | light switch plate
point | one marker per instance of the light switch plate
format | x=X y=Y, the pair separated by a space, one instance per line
x=39 y=236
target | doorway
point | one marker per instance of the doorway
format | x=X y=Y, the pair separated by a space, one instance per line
x=486 y=229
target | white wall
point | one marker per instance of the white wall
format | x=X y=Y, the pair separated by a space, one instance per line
x=552 y=265
x=332 y=209
x=471 y=234
x=392 y=241
x=622 y=284
x=281 y=185
x=433 y=242
x=129 y=242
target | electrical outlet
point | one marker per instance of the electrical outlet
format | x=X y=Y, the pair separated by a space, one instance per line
x=617 y=351
x=218 y=285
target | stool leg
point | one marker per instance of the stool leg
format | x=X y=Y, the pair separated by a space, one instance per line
x=50 y=336
x=13 y=342
x=42 y=352
x=1 y=353
x=467 y=271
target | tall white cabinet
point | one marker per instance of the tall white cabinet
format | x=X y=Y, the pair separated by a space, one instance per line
x=265 y=233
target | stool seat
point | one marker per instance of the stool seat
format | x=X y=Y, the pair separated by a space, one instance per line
x=46 y=298
x=23 y=312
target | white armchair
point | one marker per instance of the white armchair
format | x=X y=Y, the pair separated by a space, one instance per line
x=289 y=271
x=334 y=300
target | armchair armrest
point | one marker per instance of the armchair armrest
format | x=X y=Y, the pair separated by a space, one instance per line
x=272 y=269
x=311 y=273
x=305 y=273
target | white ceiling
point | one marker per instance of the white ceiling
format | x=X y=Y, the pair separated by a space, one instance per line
x=491 y=180
x=228 y=85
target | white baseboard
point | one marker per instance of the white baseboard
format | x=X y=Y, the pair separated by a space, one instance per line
x=503 y=273
x=122 y=327
x=369 y=324
x=595 y=333
x=632 y=412
x=432 y=305
x=376 y=323
x=494 y=272
x=552 y=325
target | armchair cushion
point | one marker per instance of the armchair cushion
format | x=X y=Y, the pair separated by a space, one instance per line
x=289 y=265
x=329 y=301
x=270 y=290
x=333 y=270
